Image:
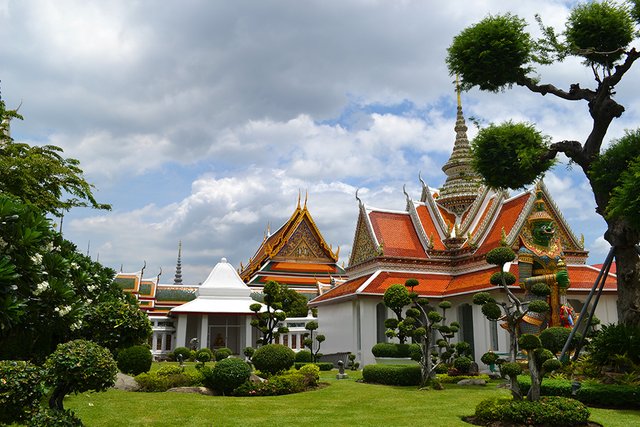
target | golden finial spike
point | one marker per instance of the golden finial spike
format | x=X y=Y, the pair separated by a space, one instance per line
x=298 y=199
x=338 y=252
x=458 y=90
x=306 y=196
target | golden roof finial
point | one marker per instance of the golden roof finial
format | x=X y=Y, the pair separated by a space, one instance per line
x=298 y=199
x=306 y=197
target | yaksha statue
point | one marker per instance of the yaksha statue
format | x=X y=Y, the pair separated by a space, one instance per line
x=541 y=260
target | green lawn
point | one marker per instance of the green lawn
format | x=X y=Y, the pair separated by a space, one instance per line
x=341 y=403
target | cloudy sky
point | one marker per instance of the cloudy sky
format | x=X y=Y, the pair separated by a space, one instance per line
x=201 y=121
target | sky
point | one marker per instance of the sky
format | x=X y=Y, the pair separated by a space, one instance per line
x=203 y=121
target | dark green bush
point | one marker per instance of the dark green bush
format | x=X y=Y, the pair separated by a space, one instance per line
x=184 y=351
x=55 y=418
x=20 y=390
x=384 y=349
x=248 y=351
x=223 y=353
x=273 y=358
x=462 y=364
x=614 y=340
x=153 y=382
x=554 y=338
x=227 y=375
x=135 y=360
x=549 y=411
x=448 y=379
x=489 y=358
x=304 y=356
x=405 y=375
x=204 y=355
x=285 y=383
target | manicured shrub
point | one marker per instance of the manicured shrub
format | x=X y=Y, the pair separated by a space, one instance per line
x=78 y=366
x=55 y=418
x=163 y=381
x=304 y=356
x=204 y=355
x=285 y=383
x=549 y=410
x=248 y=352
x=169 y=370
x=20 y=390
x=135 y=360
x=311 y=374
x=489 y=358
x=448 y=379
x=223 y=353
x=184 y=351
x=227 y=375
x=406 y=375
x=384 y=349
x=554 y=338
x=462 y=364
x=273 y=358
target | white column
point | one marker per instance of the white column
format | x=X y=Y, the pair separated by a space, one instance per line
x=248 y=332
x=154 y=341
x=164 y=342
x=181 y=331
x=204 y=331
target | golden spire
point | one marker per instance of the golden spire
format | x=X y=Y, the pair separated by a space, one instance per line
x=306 y=197
x=298 y=199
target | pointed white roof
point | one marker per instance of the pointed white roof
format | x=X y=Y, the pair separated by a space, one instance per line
x=222 y=292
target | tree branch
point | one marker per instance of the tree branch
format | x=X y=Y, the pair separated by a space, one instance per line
x=614 y=79
x=572 y=149
x=575 y=93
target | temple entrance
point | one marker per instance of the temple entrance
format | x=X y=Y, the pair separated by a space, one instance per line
x=224 y=331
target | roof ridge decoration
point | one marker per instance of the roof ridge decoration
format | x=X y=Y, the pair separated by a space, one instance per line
x=425 y=241
x=462 y=185
x=490 y=218
x=365 y=243
x=430 y=204
x=473 y=212
x=556 y=211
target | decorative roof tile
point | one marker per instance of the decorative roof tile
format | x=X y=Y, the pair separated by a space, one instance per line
x=396 y=234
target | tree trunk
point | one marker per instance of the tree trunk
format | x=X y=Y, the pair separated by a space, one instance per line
x=57 y=396
x=623 y=238
x=534 y=392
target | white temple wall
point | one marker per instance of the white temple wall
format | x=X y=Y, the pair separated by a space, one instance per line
x=337 y=323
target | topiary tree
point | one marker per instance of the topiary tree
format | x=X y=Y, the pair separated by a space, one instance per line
x=181 y=354
x=135 y=360
x=271 y=314
x=223 y=353
x=497 y=53
x=554 y=339
x=273 y=358
x=513 y=310
x=227 y=375
x=78 y=366
x=204 y=355
x=541 y=361
x=396 y=298
x=309 y=342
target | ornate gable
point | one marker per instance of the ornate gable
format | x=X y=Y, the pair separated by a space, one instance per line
x=304 y=244
x=364 y=244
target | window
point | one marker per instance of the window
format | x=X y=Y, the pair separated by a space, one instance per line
x=169 y=340
x=381 y=316
x=294 y=341
x=493 y=335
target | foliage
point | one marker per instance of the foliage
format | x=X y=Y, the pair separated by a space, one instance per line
x=40 y=175
x=304 y=356
x=20 y=390
x=599 y=32
x=614 y=340
x=248 y=352
x=284 y=383
x=294 y=303
x=548 y=411
x=462 y=364
x=223 y=353
x=323 y=366
x=167 y=377
x=386 y=349
x=273 y=358
x=117 y=324
x=489 y=358
x=311 y=373
x=554 y=338
x=181 y=351
x=78 y=366
x=47 y=417
x=451 y=379
x=510 y=155
x=396 y=298
x=204 y=355
x=496 y=43
x=314 y=347
x=268 y=317
x=135 y=360
x=227 y=375
x=405 y=375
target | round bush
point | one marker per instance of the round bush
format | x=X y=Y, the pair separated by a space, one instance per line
x=273 y=358
x=462 y=364
x=304 y=356
x=496 y=278
x=223 y=353
x=227 y=375
x=529 y=342
x=500 y=255
x=204 y=355
x=492 y=311
x=184 y=351
x=384 y=349
x=489 y=358
x=554 y=338
x=311 y=374
x=248 y=351
x=135 y=360
x=20 y=390
x=511 y=369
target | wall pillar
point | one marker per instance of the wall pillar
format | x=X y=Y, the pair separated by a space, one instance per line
x=181 y=331
x=204 y=331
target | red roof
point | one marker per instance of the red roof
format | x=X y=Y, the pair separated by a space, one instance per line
x=582 y=278
x=347 y=288
x=429 y=226
x=506 y=218
x=396 y=233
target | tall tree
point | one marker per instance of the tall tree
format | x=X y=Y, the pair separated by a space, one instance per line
x=497 y=53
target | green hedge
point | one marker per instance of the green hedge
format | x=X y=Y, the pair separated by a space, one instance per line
x=324 y=366
x=387 y=349
x=452 y=379
x=607 y=395
x=549 y=410
x=406 y=375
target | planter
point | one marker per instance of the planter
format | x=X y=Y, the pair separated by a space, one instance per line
x=395 y=361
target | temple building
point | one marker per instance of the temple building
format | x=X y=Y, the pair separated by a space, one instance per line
x=441 y=240
x=295 y=255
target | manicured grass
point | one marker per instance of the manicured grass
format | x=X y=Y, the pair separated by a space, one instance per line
x=341 y=403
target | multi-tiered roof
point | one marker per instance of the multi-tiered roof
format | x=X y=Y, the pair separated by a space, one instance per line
x=295 y=255
x=442 y=239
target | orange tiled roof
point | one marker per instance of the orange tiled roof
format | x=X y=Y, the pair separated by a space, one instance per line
x=288 y=280
x=507 y=217
x=582 y=277
x=611 y=270
x=428 y=283
x=470 y=282
x=484 y=215
x=396 y=232
x=448 y=217
x=347 y=288
x=429 y=226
